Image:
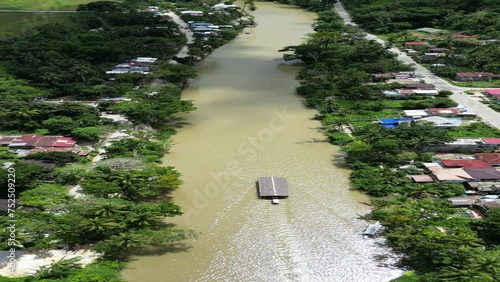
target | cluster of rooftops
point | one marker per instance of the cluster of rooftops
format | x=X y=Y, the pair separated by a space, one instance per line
x=479 y=173
x=412 y=85
x=440 y=117
x=140 y=65
x=25 y=145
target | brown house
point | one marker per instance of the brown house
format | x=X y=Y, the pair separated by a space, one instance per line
x=475 y=76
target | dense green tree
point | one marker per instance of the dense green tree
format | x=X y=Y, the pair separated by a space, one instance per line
x=45 y=197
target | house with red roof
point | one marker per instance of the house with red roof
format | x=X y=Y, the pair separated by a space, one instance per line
x=493 y=93
x=466 y=163
x=491 y=158
x=416 y=43
x=33 y=141
x=464 y=36
x=492 y=141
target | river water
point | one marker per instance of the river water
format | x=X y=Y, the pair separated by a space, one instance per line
x=249 y=124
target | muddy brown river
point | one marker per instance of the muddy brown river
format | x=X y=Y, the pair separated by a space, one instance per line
x=249 y=124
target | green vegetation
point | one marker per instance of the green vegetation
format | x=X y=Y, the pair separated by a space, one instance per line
x=470 y=17
x=438 y=241
x=475 y=130
x=41 y=5
x=15 y=23
x=124 y=204
x=395 y=21
x=479 y=84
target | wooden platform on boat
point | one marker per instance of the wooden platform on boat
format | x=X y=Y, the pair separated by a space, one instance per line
x=273 y=187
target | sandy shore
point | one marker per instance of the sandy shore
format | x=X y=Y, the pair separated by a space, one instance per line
x=29 y=263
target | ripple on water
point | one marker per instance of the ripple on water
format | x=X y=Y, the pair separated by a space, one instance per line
x=311 y=236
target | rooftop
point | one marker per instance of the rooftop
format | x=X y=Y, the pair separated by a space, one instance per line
x=272 y=187
x=475 y=74
x=443 y=122
x=491 y=140
x=491 y=158
x=466 y=163
x=451 y=174
x=37 y=141
x=423 y=178
x=416 y=113
x=483 y=173
x=416 y=43
x=492 y=91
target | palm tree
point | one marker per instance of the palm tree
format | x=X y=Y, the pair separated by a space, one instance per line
x=454 y=274
x=109 y=209
x=81 y=70
x=144 y=218
x=99 y=225
x=57 y=270
x=127 y=240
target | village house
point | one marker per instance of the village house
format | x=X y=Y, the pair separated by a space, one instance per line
x=192 y=13
x=438 y=50
x=416 y=43
x=442 y=122
x=139 y=65
x=492 y=159
x=448 y=175
x=459 y=111
x=420 y=86
x=393 y=122
x=474 y=163
x=32 y=141
x=483 y=174
x=461 y=202
x=432 y=30
x=464 y=36
x=466 y=145
x=475 y=76
x=483 y=187
x=493 y=93
x=395 y=94
x=222 y=6
x=416 y=113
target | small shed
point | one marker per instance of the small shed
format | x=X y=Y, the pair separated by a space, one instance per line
x=273 y=187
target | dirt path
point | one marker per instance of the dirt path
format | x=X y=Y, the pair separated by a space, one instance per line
x=184 y=27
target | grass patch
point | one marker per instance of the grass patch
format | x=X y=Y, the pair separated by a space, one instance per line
x=479 y=84
x=373 y=116
x=15 y=23
x=475 y=130
x=409 y=276
x=41 y=4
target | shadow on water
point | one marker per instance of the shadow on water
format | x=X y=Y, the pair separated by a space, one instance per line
x=159 y=251
x=338 y=160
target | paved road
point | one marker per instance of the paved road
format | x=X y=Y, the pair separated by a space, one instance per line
x=483 y=111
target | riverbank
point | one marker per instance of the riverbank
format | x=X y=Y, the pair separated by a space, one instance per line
x=249 y=124
x=422 y=220
x=113 y=216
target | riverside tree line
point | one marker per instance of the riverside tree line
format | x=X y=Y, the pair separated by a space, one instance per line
x=336 y=80
x=125 y=205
